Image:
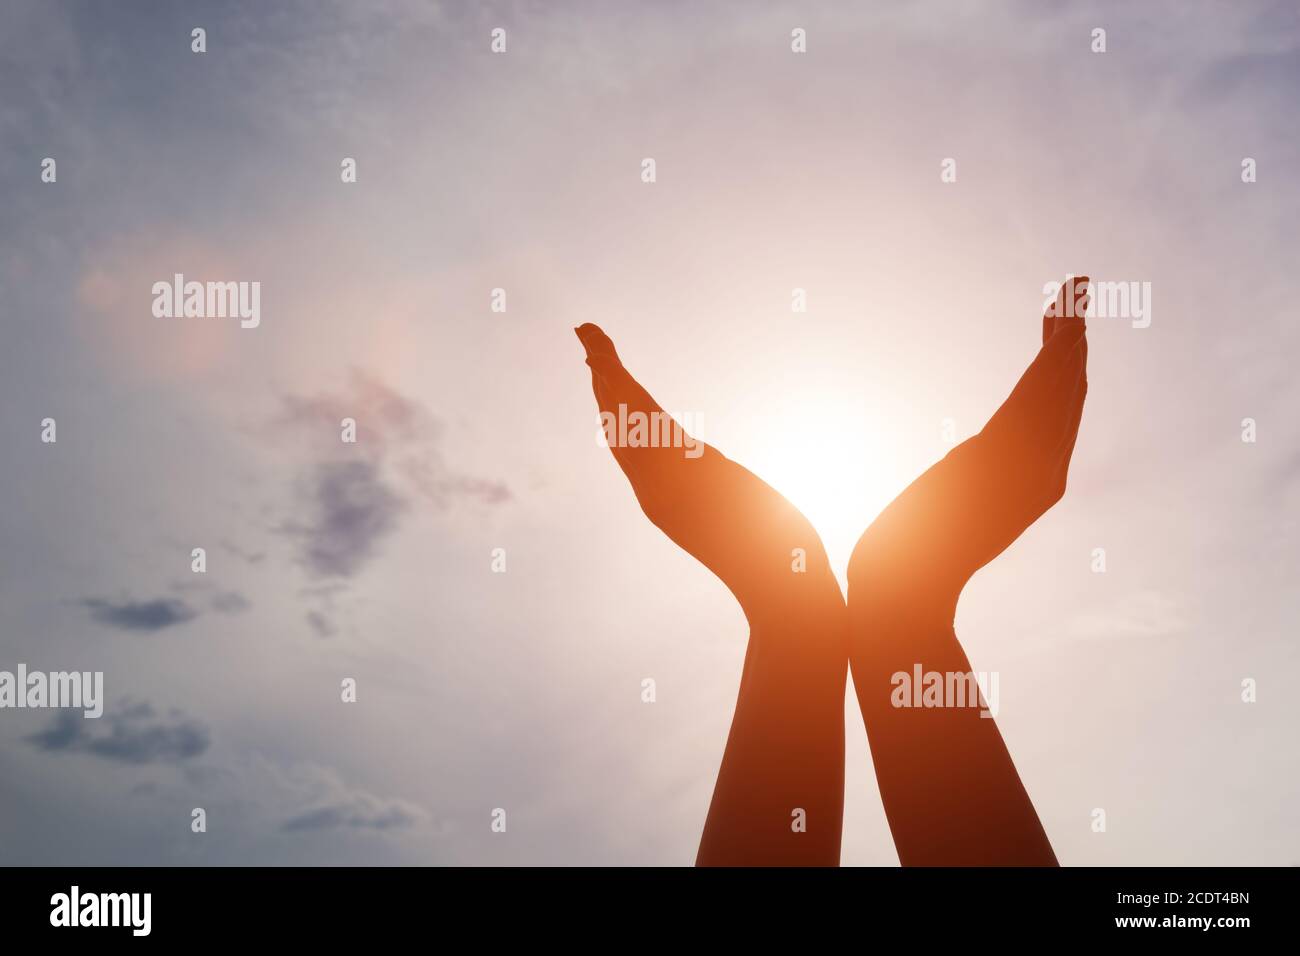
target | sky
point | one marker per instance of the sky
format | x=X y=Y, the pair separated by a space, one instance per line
x=821 y=171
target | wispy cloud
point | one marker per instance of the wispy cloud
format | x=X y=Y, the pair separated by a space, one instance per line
x=352 y=496
x=303 y=796
x=360 y=811
x=230 y=602
x=321 y=624
x=350 y=510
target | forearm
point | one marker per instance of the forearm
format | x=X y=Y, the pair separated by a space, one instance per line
x=949 y=787
x=779 y=797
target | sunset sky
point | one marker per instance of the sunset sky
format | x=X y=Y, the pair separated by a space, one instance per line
x=475 y=171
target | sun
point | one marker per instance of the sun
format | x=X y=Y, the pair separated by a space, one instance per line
x=831 y=459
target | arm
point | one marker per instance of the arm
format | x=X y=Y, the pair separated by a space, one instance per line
x=785 y=751
x=950 y=789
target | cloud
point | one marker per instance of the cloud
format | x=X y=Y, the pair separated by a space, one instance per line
x=393 y=430
x=305 y=797
x=135 y=734
x=252 y=557
x=230 y=602
x=354 y=496
x=360 y=811
x=139 y=615
x=322 y=625
x=266 y=794
x=302 y=797
x=351 y=510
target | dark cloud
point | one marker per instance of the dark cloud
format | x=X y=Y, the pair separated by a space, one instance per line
x=139 y=615
x=63 y=734
x=355 y=495
x=133 y=734
x=351 y=509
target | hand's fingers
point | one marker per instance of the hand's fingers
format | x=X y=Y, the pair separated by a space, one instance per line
x=1064 y=398
x=1063 y=328
x=594 y=340
x=1074 y=412
x=621 y=387
x=657 y=444
x=1048 y=439
x=1071 y=434
x=607 y=406
x=1059 y=432
x=1042 y=374
x=1033 y=420
x=597 y=386
x=617 y=386
x=611 y=382
x=1054 y=487
x=1069 y=308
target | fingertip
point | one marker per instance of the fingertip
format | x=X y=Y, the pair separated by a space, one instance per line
x=595 y=341
x=1069 y=308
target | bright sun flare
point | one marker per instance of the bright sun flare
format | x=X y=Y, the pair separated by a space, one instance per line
x=833 y=464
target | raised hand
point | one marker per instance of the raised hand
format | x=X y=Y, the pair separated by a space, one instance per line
x=951 y=792
x=735 y=524
x=779 y=794
x=968 y=508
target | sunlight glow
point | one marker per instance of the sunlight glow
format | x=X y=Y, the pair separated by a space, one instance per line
x=833 y=462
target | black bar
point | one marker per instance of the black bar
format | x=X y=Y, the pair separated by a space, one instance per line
x=639 y=907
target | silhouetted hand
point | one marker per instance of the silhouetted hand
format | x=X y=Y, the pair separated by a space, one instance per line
x=737 y=525
x=973 y=504
x=950 y=789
